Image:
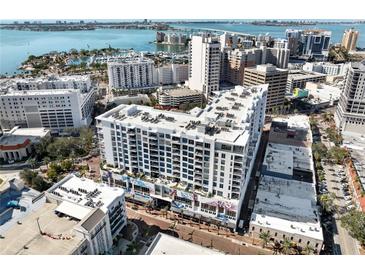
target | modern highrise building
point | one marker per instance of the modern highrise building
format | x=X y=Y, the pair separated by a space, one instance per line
x=131 y=73
x=204 y=64
x=309 y=43
x=350 y=112
x=349 y=39
x=234 y=62
x=275 y=77
x=197 y=163
x=315 y=43
x=293 y=37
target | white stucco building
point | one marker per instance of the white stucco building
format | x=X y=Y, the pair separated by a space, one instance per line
x=131 y=73
x=81 y=82
x=197 y=163
x=55 y=109
x=350 y=112
x=204 y=64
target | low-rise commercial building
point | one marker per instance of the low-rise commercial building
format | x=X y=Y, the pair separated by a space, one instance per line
x=17 y=144
x=299 y=78
x=177 y=96
x=286 y=203
x=327 y=68
x=196 y=163
x=75 y=216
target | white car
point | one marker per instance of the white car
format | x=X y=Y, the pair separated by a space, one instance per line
x=347 y=198
x=350 y=207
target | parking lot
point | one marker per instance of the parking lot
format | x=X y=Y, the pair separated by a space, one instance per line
x=336 y=185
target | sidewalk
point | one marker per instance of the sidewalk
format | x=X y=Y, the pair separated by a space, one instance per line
x=227 y=242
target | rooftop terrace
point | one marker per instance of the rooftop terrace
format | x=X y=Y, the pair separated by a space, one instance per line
x=227 y=118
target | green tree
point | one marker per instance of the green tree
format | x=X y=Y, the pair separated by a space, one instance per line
x=327 y=202
x=308 y=249
x=338 y=154
x=66 y=165
x=354 y=222
x=52 y=174
x=286 y=246
x=265 y=238
x=39 y=184
x=27 y=176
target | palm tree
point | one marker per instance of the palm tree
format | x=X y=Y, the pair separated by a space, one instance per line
x=308 y=249
x=286 y=246
x=265 y=238
x=326 y=201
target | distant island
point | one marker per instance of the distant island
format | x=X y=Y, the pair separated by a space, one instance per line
x=82 y=25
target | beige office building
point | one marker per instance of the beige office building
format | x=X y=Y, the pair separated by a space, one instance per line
x=275 y=77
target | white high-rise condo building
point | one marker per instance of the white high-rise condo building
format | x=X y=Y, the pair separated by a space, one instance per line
x=204 y=64
x=131 y=73
x=55 y=109
x=197 y=163
x=350 y=112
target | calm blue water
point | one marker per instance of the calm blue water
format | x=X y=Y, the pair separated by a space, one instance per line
x=16 y=46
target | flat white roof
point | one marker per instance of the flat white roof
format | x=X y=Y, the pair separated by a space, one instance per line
x=286 y=201
x=227 y=117
x=165 y=244
x=84 y=192
x=73 y=210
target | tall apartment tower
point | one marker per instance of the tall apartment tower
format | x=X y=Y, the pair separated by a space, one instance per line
x=293 y=37
x=349 y=39
x=234 y=62
x=131 y=73
x=275 y=77
x=350 y=112
x=199 y=163
x=204 y=64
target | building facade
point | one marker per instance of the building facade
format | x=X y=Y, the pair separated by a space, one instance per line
x=350 y=112
x=204 y=64
x=131 y=73
x=172 y=74
x=179 y=96
x=349 y=39
x=55 y=109
x=197 y=164
x=80 y=82
x=327 y=68
x=79 y=196
x=276 y=78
